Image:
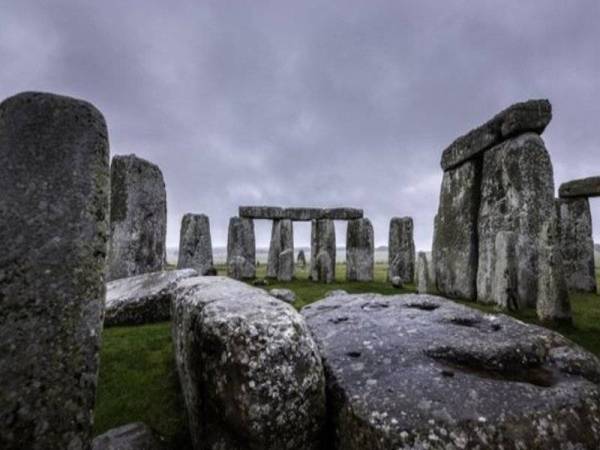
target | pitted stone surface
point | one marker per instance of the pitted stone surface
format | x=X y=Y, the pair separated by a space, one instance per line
x=138 y=218
x=360 y=250
x=142 y=299
x=241 y=249
x=401 y=249
x=299 y=214
x=262 y=212
x=250 y=372
x=420 y=372
x=195 y=244
x=529 y=116
x=585 y=187
x=133 y=436
x=54 y=206
x=279 y=264
x=322 y=251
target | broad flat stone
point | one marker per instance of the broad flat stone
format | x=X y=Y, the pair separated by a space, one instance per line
x=241 y=249
x=54 y=206
x=420 y=372
x=133 y=436
x=262 y=212
x=401 y=249
x=142 y=299
x=585 y=187
x=195 y=244
x=138 y=218
x=250 y=372
x=529 y=116
x=360 y=250
x=286 y=295
x=322 y=251
x=299 y=214
x=282 y=243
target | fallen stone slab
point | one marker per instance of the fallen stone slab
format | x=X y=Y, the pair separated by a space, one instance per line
x=133 y=436
x=286 y=295
x=142 y=299
x=249 y=369
x=299 y=214
x=585 y=187
x=529 y=116
x=421 y=372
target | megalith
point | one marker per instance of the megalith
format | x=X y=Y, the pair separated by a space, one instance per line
x=195 y=245
x=282 y=243
x=138 y=218
x=360 y=250
x=401 y=249
x=301 y=259
x=241 y=249
x=322 y=251
x=54 y=205
x=424 y=280
x=504 y=283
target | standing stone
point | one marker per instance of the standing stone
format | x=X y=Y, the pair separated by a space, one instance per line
x=138 y=218
x=401 y=249
x=301 y=259
x=504 y=288
x=195 y=246
x=360 y=250
x=517 y=194
x=577 y=244
x=54 y=203
x=282 y=243
x=455 y=239
x=241 y=249
x=423 y=274
x=322 y=251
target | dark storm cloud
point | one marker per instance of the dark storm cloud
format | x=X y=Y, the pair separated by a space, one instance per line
x=310 y=103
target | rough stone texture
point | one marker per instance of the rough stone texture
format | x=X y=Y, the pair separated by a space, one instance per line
x=282 y=243
x=504 y=287
x=54 y=205
x=577 y=244
x=336 y=292
x=532 y=115
x=133 y=436
x=195 y=244
x=517 y=194
x=250 y=372
x=423 y=274
x=455 y=233
x=419 y=372
x=301 y=259
x=299 y=214
x=585 y=187
x=138 y=218
x=360 y=250
x=142 y=299
x=397 y=282
x=241 y=249
x=401 y=249
x=286 y=295
x=262 y=212
x=322 y=251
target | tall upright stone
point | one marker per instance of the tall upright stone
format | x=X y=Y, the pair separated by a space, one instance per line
x=455 y=238
x=505 y=281
x=241 y=249
x=577 y=244
x=424 y=280
x=282 y=243
x=301 y=259
x=401 y=249
x=517 y=194
x=360 y=250
x=54 y=184
x=195 y=245
x=322 y=251
x=138 y=218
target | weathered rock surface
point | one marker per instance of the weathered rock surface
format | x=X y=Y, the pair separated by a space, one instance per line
x=322 y=251
x=142 y=299
x=397 y=282
x=401 y=249
x=262 y=212
x=420 y=372
x=299 y=214
x=360 y=250
x=250 y=372
x=133 y=436
x=577 y=244
x=424 y=274
x=504 y=284
x=529 y=116
x=585 y=187
x=517 y=194
x=241 y=249
x=138 y=218
x=455 y=235
x=279 y=264
x=54 y=206
x=301 y=259
x=286 y=295
x=195 y=244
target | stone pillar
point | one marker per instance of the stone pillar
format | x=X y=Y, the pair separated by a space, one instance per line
x=301 y=260
x=401 y=249
x=138 y=218
x=195 y=245
x=241 y=249
x=423 y=274
x=322 y=251
x=577 y=244
x=282 y=243
x=54 y=204
x=360 y=250
x=504 y=287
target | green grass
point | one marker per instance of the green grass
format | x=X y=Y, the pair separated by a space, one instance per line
x=138 y=380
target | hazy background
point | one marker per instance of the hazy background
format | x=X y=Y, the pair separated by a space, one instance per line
x=311 y=103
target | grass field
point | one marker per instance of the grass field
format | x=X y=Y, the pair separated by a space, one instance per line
x=138 y=380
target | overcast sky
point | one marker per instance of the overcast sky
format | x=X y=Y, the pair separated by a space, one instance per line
x=302 y=103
